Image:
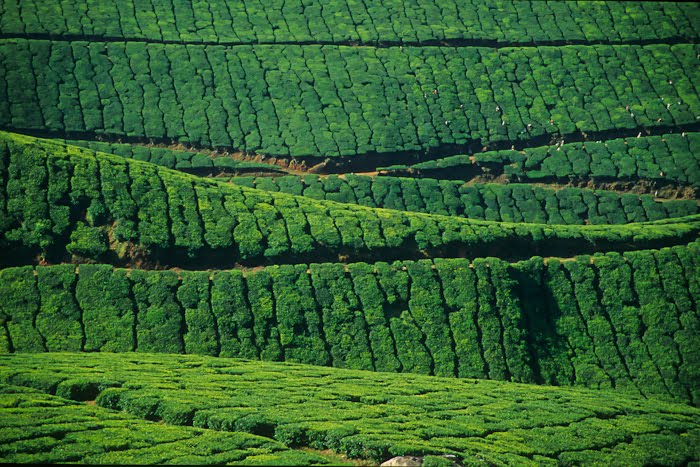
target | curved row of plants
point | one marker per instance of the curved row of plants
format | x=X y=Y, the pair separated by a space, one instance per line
x=78 y=433
x=180 y=159
x=627 y=321
x=361 y=414
x=492 y=202
x=661 y=160
x=669 y=159
x=585 y=352
x=53 y=207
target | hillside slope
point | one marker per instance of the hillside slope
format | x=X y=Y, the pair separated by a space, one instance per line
x=321 y=232
x=373 y=415
x=138 y=212
x=610 y=321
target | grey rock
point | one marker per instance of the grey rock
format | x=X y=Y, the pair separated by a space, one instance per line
x=404 y=461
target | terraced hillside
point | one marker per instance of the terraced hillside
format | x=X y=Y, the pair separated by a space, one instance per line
x=226 y=227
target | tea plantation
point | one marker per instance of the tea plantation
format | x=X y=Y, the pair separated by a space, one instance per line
x=358 y=413
x=332 y=233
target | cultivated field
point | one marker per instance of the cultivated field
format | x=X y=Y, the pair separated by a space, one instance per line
x=323 y=232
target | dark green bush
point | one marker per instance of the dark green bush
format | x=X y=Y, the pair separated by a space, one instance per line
x=86 y=241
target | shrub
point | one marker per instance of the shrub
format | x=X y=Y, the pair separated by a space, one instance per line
x=88 y=242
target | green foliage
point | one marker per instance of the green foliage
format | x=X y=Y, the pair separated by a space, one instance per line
x=374 y=303
x=515 y=331
x=657 y=310
x=59 y=318
x=344 y=324
x=186 y=161
x=543 y=299
x=93 y=435
x=298 y=318
x=193 y=294
x=357 y=100
x=86 y=241
x=178 y=21
x=26 y=180
x=677 y=292
x=490 y=323
x=610 y=303
x=83 y=389
x=120 y=205
x=572 y=324
x=218 y=225
x=666 y=158
x=159 y=317
x=104 y=295
x=150 y=197
x=85 y=193
x=623 y=321
x=426 y=307
x=186 y=223
x=262 y=307
x=511 y=203
x=19 y=304
x=234 y=320
x=459 y=290
x=599 y=327
x=372 y=415
x=4 y=176
x=247 y=224
x=596 y=321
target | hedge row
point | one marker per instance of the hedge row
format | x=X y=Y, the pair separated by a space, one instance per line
x=54 y=206
x=177 y=159
x=611 y=321
x=670 y=158
x=30 y=433
x=509 y=203
x=373 y=416
x=336 y=21
x=492 y=202
x=329 y=100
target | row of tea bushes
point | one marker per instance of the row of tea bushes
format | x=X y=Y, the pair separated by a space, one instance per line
x=30 y=433
x=311 y=100
x=335 y=21
x=177 y=158
x=670 y=158
x=492 y=202
x=625 y=321
x=53 y=206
